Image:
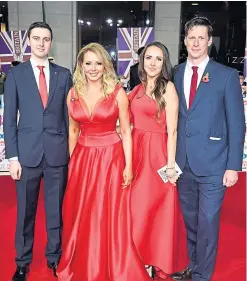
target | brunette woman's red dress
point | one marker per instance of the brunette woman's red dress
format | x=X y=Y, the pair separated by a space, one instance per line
x=96 y=239
x=158 y=227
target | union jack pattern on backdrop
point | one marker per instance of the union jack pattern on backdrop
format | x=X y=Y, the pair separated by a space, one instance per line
x=129 y=40
x=13 y=46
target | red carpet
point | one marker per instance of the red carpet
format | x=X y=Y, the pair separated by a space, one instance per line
x=231 y=261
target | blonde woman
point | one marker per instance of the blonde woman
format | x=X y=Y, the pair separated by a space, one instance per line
x=96 y=239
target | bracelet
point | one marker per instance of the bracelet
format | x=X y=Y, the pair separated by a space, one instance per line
x=170 y=168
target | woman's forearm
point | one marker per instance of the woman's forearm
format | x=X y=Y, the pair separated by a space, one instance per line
x=171 y=149
x=127 y=147
x=73 y=137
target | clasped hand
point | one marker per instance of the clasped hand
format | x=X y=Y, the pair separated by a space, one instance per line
x=127 y=176
x=172 y=176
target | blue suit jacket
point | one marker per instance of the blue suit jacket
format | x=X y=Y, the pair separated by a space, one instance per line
x=217 y=112
x=39 y=131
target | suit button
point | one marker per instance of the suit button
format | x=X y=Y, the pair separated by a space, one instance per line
x=188 y=135
x=44 y=130
x=189 y=119
x=45 y=113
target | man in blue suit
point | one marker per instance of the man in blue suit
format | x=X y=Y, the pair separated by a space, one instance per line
x=37 y=144
x=211 y=131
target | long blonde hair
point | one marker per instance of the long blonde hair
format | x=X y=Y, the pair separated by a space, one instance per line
x=109 y=79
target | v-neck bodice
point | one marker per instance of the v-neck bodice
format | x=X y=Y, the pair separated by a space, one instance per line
x=102 y=118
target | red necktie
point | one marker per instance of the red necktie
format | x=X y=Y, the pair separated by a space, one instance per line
x=42 y=86
x=193 y=85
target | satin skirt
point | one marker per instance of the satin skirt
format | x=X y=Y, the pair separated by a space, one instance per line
x=158 y=227
x=97 y=242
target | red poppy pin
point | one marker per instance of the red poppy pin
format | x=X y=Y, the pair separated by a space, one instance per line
x=205 y=78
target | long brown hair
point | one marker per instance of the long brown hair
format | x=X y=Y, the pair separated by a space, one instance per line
x=162 y=80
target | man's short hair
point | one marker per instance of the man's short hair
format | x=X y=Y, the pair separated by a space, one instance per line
x=199 y=21
x=15 y=62
x=240 y=73
x=39 y=24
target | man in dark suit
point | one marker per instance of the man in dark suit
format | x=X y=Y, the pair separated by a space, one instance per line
x=211 y=131
x=37 y=144
x=2 y=80
x=134 y=77
x=242 y=83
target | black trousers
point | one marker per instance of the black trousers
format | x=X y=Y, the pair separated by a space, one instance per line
x=55 y=179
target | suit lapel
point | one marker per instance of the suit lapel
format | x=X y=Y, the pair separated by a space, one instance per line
x=180 y=80
x=31 y=78
x=203 y=86
x=53 y=83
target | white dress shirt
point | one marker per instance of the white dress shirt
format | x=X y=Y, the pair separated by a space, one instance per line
x=36 y=72
x=188 y=75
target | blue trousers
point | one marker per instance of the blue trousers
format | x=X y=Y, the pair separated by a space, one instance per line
x=201 y=200
x=27 y=188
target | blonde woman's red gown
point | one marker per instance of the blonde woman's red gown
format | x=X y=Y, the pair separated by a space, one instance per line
x=158 y=228
x=96 y=239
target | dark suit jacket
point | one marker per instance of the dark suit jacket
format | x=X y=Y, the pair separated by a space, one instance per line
x=211 y=133
x=134 y=78
x=39 y=131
